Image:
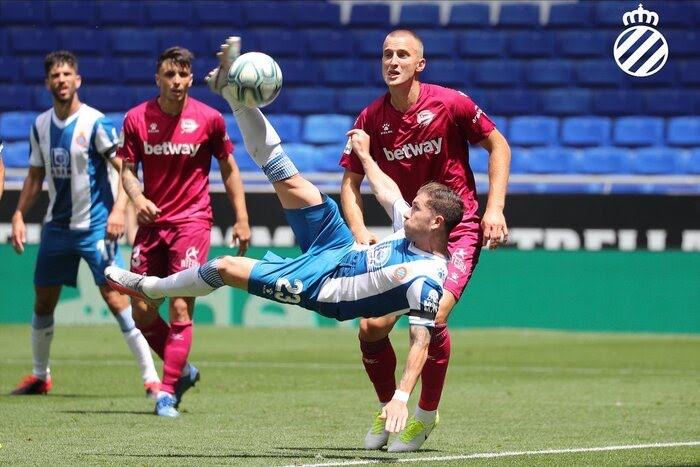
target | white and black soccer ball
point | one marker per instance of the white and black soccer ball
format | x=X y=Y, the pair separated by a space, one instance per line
x=255 y=79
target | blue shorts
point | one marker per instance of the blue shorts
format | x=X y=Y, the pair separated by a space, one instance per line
x=60 y=251
x=324 y=239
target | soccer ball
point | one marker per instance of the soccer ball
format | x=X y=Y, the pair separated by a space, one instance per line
x=255 y=79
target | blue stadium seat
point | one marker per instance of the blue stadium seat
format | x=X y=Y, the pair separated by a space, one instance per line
x=437 y=44
x=665 y=77
x=328 y=42
x=600 y=160
x=303 y=155
x=479 y=159
x=689 y=73
x=299 y=71
x=121 y=13
x=83 y=41
x=9 y=68
x=32 y=69
x=549 y=73
x=497 y=73
x=688 y=162
x=137 y=70
x=344 y=72
x=447 y=72
x=16 y=155
x=322 y=14
x=288 y=126
x=368 y=43
x=617 y=103
x=24 y=13
x=327 y=157
x=194 y=41
x=511 y=102
x=72 y=12
x=200 y=93
x=277 y=42
x=310 y=100
x=563 y=102
x=109 y=98
x=469 y=16
x=370 y=15
x=555 y=160
x=654 y=161
x=501 y=124
x=519 y=15
x=268 y=13
x=683 y=43
x=351 y=101
x=101 y=70
x=117 y=119
x=326 y=128
x=243 y=160
x=683 y=131
x=580 y=44
x=585 y=131
x=570 y=15
x=638 y=131
x=16 y=97
x=530 y=44
x=609 y=13
x=41 y=98
x=157 y=14
x=598 y=73
x=482 y=44
x=29 y=41
x=208 y=13
x=419 y=15
x=533 y=130
x=132 y=41
x=519 y=160
x=669 y=102
x=16 y=125
x=234 y=132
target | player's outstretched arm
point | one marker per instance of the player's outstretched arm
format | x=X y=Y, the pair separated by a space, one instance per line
x=395 y=413
x=384 y=188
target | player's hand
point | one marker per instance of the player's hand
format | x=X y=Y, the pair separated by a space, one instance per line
x=19 y=234
x=241 y=237
x=116 y=223
x=216 y=79
x=146 y=211
x=396 y=415
x=495 y=229
x=360 y=143
x=365 y=237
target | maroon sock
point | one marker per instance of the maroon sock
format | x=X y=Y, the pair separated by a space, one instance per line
x=435 y=369
x=177 y=348
x=156 y=333
x=380 y=364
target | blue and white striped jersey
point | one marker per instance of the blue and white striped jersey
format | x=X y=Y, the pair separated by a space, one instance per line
x=75 y=152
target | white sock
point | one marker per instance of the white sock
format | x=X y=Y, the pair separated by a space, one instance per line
x=185 y=283
x=259 y=136
x=41 y=348
x=425 y=416
x=142 y=353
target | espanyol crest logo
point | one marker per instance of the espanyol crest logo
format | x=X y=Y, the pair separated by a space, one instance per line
x=640 y=50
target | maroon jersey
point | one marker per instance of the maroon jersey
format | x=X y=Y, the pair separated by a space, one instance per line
x=426 y=143
x=175 y=154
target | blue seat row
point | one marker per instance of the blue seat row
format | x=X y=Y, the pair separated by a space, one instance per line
x=427 y=14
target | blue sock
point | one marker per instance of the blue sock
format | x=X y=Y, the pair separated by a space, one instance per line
x=210 y=274
x=280 y=168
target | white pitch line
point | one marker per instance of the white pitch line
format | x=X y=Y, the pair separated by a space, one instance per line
x=491 y=455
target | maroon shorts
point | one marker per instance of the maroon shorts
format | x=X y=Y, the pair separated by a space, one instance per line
x=163 y=250
x=465 y=247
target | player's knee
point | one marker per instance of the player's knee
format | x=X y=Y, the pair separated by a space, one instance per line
x=371 y=330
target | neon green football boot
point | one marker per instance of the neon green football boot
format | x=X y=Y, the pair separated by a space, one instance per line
x=377 y=437
x=414 y=435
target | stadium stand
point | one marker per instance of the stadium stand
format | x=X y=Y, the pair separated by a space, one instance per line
x=16 y=125
x=524 y=62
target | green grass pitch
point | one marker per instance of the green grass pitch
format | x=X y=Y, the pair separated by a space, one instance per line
x=273 y=397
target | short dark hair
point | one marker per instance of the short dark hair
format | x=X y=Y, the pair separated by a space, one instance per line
x=60 y=57
x=444 y=201
x=178 y=55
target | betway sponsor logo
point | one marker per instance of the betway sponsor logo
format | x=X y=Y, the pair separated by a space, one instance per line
x=170 y=149
x=407 y=151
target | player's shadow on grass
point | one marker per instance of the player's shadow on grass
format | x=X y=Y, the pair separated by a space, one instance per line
x=248 y=456
x=108 y=412
x=321 y=448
